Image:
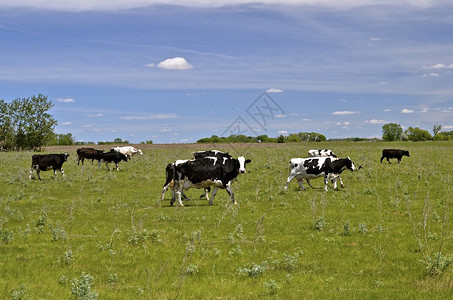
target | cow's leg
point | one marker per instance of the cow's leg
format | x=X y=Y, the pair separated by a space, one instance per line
x=107 y=165
x=399 y=160
x=117 y=166
x=184 y=195
x=54 y=173
x=206 y=193
x=99 y=165
x=164 y=189
x=178 y=190
x=30 y=173
x=308 y=182
x=214 y=192
x=326 y=182
x=341 y=181
x=288 y=180
x=38 y=171
x=230 y=192
x=388 y=160
x=382 y=158
x=62 y=173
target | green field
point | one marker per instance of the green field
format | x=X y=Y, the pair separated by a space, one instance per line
x=108 y=234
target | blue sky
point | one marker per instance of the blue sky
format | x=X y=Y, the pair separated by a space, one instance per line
x=177 y=71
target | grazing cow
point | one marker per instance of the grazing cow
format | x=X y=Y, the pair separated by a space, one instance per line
x=88 y=153
x=112 y=156
x=394 y=153
x=208 y=171
x=309 y=168
x=169 y=175
x=129 y=151
x=44 y=162
x=321 y=153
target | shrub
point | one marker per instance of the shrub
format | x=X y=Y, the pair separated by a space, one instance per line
x=81 y=288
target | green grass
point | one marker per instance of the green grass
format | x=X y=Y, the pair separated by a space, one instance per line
x=372 y=239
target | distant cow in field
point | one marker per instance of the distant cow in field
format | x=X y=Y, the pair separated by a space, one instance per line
x=44 y=162
x=394 y=153
x=208 y=171
x=114 y=157
x=88 y=153
x=129 y=151
x=321 y=153
x=310 y=168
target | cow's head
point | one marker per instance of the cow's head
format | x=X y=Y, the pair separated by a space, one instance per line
x=406 y=153
x=65 y=156
x=140 y=152
x=349 y=164
x=242 y=163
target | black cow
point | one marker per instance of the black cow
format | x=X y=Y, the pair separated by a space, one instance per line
x=394 y=153
x=88 y=153
x=44 y=162
x=112 y=156
x=208 y=171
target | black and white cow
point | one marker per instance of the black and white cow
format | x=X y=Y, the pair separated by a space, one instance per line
x=321 y=153
x=394 y=153
x=112 y=156
x=209 y=171
x=44 y=162
x=310 y=168
x=88 y=153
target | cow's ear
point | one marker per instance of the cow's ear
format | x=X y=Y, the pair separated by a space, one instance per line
x=247 y=161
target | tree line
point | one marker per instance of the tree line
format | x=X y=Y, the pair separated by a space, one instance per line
x=26 y=124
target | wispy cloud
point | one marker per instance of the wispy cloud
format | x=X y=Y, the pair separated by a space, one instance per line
x=345 y=112
x=274 y=90
x=95 y=115
x=151 y=117
x=440 y=66
x=65 y=100
x=375 y=121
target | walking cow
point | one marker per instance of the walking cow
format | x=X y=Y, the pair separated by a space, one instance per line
x=44 y=162
x=393 y=153
x=208 y=171
x=310 y=168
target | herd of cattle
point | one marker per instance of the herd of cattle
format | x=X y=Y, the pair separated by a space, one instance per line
x=214 y=168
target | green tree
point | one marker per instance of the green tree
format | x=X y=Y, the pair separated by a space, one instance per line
x=28 y=122
x=418 y=135
x=62 y=139
x=392 y=132
x=6 y=128
x=436 y=129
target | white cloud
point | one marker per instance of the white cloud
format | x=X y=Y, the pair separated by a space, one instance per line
x=407 y=111
x=176 y=63
x=150 y=65
x=280 y=116
x=374 y=39
x=283 y=132
x=440 y=66
x=66 y=123
x=306 y=120
x=375 y=121
x=95 y=115
x=65 y=100
x=432 y=74
x=387 y=110
x=273 y=90
x=345 y=112
x=151 y=117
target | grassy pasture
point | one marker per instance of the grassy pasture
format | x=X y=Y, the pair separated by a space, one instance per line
x=375 y=238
